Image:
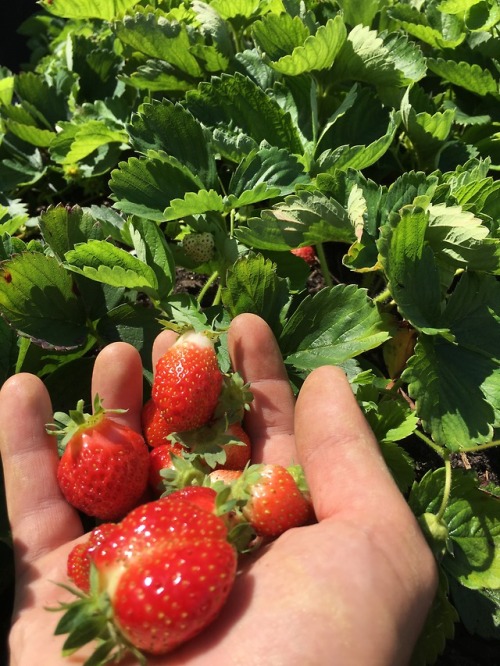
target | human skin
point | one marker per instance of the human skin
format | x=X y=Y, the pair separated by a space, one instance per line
x=351 y=589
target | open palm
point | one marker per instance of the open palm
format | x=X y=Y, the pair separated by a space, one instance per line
x=352 y=589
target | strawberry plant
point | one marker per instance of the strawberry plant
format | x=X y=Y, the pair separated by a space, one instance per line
x=368 y=132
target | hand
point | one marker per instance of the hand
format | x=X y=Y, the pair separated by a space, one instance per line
x=352 y=589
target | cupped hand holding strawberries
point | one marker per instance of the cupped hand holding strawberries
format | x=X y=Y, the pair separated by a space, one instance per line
x=352 y=587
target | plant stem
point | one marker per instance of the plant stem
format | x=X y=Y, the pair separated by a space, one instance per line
x=481 y=447
x=435 y=447
x=383 y=296
x=207 y=286
x=446 y=490
x=320 y=251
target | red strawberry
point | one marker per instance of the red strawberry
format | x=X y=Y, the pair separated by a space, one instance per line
x=154 y=427
x=203 y=496
x=161 y=458
x=78 y=564
x=172 y=592
x=171 y=546
x=187 y=382
x=237 y=455
x=227 y=476
x=104 y=468
x=275 y=503
x=306 y=253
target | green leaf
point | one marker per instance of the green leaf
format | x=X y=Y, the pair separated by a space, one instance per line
x=268 y=165
x=456 y=6
x=91 y=136
x=253 y=286
x=276 y=34
x=473 y=520
x=461 y=239
x=102 y=261
x=472 y=77
x=356 y=13
x=37 y=299
x=136 y=324
x=305 y=218
x=390 y=60
x=438 y=628
x=168 y=127
x=88 y=9
x=479 y=610
x=452 y=383
x=359 y=156
x=400 y=465
x=63 y=228
x=194 y=203
x=334 y=325
x=153 y=250
x=229 y=9
x=235 y=103
x=441 y=34
x=145 y=186
x=161 y=39
x=33 y=135
x=410 y=267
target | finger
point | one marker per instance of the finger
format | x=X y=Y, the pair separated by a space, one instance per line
x=255 y=354
x=342 y=461
x=117 y=379
x=40 y=518
x=162 y=342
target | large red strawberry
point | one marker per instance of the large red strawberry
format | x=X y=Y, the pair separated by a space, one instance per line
x=158 y=580
x=187 y=382
x=103 y=470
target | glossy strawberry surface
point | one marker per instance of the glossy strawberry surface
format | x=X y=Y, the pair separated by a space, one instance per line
x=187 y=383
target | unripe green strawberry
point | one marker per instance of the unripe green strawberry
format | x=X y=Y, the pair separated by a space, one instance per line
x=187 y=382
x=199 y=247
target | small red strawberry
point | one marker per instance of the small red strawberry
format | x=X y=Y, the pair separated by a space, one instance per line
x=273 y=501
x=306 y=253
x=161 y=458
x=187 y=382
x=103 y=470
x=227 y=476
x=154 y=427
x=79 y=559
x=238 y=454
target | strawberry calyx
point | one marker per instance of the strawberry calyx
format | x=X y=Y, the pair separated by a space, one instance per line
x=208 y=440
x=89 y=617
x=68 y=425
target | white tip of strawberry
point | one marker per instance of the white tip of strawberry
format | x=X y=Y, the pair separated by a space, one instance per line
x=195 y=338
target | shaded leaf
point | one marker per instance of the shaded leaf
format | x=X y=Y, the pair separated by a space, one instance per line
x=37 y=299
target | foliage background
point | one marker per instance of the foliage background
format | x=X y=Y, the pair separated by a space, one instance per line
x=369 y=130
